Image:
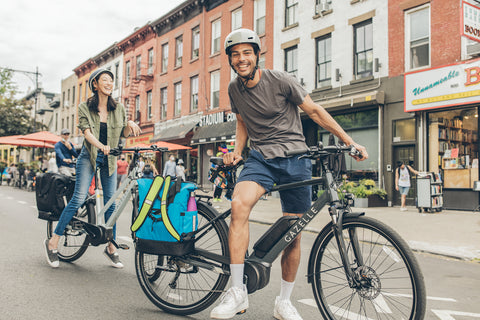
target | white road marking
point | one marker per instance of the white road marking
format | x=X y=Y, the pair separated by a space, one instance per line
x=381 y=305
x=21 y=202
x=125 y=238
x=448 y=314
x=34 y=207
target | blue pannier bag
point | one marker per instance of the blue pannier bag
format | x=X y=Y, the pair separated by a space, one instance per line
x=167 y=218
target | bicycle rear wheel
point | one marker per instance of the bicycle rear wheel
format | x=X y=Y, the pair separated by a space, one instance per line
x=74 y=241
x=178 y=287
x=391 y=282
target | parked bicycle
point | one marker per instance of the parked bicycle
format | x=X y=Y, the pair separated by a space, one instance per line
x=359 y=268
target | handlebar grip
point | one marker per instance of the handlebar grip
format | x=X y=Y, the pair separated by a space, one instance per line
x=296 y=152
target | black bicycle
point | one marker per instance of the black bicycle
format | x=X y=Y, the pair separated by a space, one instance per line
x=359 y=268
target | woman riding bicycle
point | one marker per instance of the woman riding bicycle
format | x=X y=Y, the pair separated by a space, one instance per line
x=103 y=122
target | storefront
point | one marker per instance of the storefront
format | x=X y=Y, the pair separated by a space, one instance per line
x=216 y=133
x=447 y=99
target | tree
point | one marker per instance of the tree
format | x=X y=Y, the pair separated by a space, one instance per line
x=14 y=115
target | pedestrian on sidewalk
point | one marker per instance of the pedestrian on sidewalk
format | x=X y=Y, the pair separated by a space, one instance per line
x=402 y=182
x=102 y=122
x=266 y=103
x=122 y=170
x=170 y=166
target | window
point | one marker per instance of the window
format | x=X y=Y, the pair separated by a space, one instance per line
x=194 y=94
x=149 y=105
x=80 y=92
x=73 y=96
x=127 y=73
x=150 y=61
x=215 y=89
x=237 y=19
x=259 y=16
x=137 y=108
x=86 y=91
x=63 y=98
x=73 y=124
x=363 y=42
x=126 y=104
x=216 y=33
x=322 y=5
x=56 y=121
x=138 y=67
x=291 y=7
x=291 y=65
x=163 y=103
x=195 y=42
x=324 y=61
x=164 y=57
x=261 y=62
x=404 y=130
x=63 y=123
x=117 y=67
x=178 y=99
x=178 y=51
x=68 y=96
x=418 y=37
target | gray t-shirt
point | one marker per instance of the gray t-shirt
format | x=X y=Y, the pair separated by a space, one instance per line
x=270 y=112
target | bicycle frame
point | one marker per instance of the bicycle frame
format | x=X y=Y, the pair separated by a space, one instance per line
x=336 y=211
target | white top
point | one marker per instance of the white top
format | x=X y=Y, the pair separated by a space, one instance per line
x=404 y=177
x=52 y=165
x=180 y=172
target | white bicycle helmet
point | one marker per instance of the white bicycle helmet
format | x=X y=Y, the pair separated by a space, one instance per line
x=242 y=36
x=95 y=75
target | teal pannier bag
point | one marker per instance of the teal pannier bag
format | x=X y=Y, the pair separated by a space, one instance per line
x=167 y=218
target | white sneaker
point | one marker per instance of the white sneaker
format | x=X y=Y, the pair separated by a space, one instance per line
x=284 y=310
x=234 y=301
x=403 y=209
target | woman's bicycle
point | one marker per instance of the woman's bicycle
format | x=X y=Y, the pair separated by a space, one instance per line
x=84 y=229
x=359 y=268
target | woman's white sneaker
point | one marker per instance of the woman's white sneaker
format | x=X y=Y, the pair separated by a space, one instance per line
x=284 y=310
x=234 y=301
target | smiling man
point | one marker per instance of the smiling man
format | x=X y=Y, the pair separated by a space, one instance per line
x=266 y=104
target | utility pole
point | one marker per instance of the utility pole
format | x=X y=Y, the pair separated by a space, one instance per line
x=30 y=75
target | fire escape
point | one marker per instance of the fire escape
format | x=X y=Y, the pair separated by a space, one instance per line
x=132 y=112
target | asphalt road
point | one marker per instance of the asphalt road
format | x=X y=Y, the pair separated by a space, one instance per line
x=91 y=289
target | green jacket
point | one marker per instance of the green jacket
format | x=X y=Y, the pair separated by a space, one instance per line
x=116 y=123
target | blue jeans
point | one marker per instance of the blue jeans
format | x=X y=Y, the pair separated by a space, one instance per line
x=85 y=173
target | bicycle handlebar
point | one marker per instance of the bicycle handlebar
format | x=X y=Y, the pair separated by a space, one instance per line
x=117 y=151
x=321 y=150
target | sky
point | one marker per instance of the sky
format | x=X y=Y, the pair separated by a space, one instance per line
x=58 y=35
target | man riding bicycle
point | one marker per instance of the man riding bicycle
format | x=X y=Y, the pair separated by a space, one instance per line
x=265 y=102
x=65 y=152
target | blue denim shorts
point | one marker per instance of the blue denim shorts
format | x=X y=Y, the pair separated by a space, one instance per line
x=403 y=190
x=268 y=172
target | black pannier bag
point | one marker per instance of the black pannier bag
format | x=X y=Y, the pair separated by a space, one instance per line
x=52 y=192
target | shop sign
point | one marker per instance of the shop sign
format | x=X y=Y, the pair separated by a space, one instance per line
x=216 y=118
x=471 y=21
x=144 y=138
x=441 y=87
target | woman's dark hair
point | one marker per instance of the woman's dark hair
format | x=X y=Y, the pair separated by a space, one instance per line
x=92 y=103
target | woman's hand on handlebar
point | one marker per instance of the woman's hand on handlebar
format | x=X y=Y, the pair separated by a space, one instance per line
x=231 y=158
x=105 y=149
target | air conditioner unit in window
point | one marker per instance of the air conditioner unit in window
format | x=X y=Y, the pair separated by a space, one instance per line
x=66 y=104
x=473 y=49
x=324 y=6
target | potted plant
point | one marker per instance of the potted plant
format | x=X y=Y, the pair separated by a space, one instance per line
x=366 y=193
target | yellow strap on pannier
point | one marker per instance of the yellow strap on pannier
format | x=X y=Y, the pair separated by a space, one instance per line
x=165 y=218
x=147 y=204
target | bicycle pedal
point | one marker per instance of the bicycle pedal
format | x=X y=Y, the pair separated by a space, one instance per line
x=242 y=312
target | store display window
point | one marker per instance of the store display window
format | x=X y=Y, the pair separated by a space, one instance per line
x=453 y=146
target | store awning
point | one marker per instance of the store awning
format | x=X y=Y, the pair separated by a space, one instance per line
x=143 y=138
x=175 y=129
x=355 y=100
x=215 y=133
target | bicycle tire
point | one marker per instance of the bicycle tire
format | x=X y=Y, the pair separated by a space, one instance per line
x=393 y=285
x=74 y=241
x=193 y=289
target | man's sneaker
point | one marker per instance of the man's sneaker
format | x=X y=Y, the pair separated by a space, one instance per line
x=234 y=301
x=52 y=256
x=284 y=310
x=114 y=258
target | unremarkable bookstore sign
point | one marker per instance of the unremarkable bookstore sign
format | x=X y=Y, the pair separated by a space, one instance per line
x=470 y=21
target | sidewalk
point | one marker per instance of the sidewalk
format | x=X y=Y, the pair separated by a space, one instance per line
x=449 y=233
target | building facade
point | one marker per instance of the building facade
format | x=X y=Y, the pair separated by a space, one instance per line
x=435 y=119
x=66 y=113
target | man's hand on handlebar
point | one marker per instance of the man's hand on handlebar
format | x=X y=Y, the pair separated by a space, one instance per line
x=363 y=152
x=231 y=158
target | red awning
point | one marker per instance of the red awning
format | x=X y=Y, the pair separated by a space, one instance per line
x=21 y=142
x=43 y=136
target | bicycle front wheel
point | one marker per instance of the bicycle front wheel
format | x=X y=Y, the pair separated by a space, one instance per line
x=389 y=280
x=176 y=286
x=74 y=241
